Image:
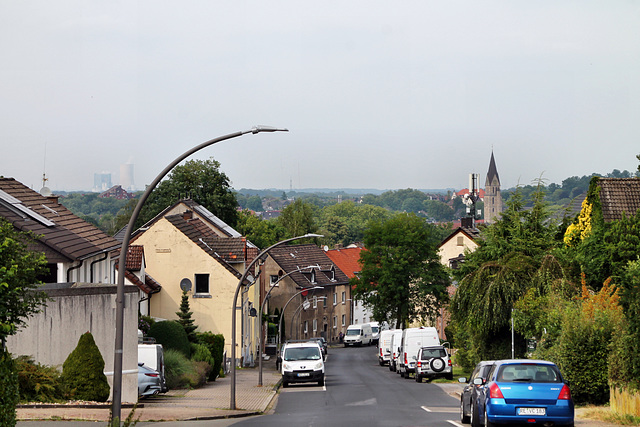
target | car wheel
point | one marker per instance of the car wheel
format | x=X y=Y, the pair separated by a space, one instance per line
x=450 y=376
x=285 y=384
x=475 y=419
x=437 y=364
x=464 y=419
x=401 y=374
x=321 y=382
x=418 y=378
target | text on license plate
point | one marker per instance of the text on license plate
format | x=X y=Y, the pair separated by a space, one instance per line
x=303 y=374
x=532 y=411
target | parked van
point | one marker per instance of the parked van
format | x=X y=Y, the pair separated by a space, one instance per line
x=152 y=356
x=412 y=340
x=375 y=332
x=396 y=338
x=302 y=362
x=358 y=335
x=384 y=347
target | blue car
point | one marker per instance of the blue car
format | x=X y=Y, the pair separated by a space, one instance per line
x=524 y=392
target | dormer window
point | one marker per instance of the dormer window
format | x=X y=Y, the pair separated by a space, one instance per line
x=310 y=276
x=331 y=273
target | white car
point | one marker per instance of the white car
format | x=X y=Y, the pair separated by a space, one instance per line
x=433 y=362
x=302 y=362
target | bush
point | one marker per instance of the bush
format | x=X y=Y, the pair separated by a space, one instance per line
x=8 y=389
x=38 y=383
x=201 y=353
x=181 y=372
x=171 y=335
x=83 y=372
x=215 y=343
x=145 y=323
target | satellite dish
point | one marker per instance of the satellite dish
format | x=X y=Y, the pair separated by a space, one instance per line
x=185 y=285
x=45 y=191
x=326 y=248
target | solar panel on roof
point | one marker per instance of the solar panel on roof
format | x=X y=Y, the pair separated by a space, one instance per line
x=16 y=205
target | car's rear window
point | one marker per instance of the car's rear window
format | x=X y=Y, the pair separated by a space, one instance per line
x=430 y=353
x=301 y=353
x=529 y=372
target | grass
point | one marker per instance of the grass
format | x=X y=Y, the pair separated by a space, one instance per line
x=603 y=413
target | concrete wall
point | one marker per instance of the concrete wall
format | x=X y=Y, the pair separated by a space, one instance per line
x=76 y=308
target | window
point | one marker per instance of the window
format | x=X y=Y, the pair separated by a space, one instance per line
x=202 y=283
x=324 y=302
x=344 y=318
x=344 y=297
x=335 y=298
x=460 y=241
x=315 y=325
x=335 y=322
x=306 y=326
x=273 y=280
x=315 y=303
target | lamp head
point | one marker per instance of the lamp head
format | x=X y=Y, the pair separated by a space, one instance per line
x=260 y=128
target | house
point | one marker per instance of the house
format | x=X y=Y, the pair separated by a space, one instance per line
x=136 y=275
x=618 y=196
x=322 y=312
x=348 y=260
x=188 y=247
x=116 y=192
x=81 y=283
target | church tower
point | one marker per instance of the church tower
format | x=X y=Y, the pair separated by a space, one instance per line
x=492 y=196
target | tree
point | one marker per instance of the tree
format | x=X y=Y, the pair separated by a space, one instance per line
x=19 y=271
x=184 y=318
x=83 y=372
x=262 y=233
x=200 y=180
x=402 y=278
x=297 y=219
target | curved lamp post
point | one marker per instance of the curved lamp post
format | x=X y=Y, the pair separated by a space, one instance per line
x=232 y=397
x=117 y=360
x=285 y=307
x=295 y=313
x=266 y=297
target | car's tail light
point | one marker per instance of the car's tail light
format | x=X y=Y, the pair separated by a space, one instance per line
x=450 y=362
x=152 y=375
x=418 y=364
x=565 y=393
x=495 y=392
x=405 y=359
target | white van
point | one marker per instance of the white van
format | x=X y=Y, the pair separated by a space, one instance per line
x=375 y=332
x=152 y=355
x=396 y=338
x=384 y=347
x=358 y=335
x=302 y=363
x=413 y=339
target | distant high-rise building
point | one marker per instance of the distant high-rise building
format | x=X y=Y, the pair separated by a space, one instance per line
x=492 y=196
x=101 y=181
x=126 y=177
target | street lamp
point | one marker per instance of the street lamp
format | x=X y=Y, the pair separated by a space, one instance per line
x=295 y=313
x=232 y=397
x=273 y=286
x=117 y=359
x=285 y=307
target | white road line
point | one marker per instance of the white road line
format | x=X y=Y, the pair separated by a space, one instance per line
x=426 y=409
x=455 y=423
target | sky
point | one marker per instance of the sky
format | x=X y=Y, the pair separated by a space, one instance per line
x=375 y=94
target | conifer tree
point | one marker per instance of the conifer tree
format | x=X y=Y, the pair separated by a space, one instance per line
x=184 y=318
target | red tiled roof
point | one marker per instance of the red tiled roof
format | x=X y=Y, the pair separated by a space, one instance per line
x=346 y=259
x=618 y=195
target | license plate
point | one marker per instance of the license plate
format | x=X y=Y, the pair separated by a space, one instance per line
x=304 y=374
x=532 y=411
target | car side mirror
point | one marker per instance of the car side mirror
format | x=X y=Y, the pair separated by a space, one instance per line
x=414 y=357
x=478 y=381
x=462 y=380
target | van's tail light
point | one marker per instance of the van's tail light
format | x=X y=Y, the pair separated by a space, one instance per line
x=380 y=351
x=495 y=392
x=405 y=359
x=565 y=393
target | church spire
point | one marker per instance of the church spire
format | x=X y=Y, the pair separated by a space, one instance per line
x=492 y=175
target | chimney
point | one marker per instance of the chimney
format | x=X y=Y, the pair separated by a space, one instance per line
x=187 y=215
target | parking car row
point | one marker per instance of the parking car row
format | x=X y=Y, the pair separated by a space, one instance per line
x=415 y=352
x=516 y=391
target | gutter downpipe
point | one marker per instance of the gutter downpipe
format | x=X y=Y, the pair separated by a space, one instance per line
x=106 y=254
x=73 y=268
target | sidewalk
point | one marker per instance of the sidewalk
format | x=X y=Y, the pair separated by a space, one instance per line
x=211 y=401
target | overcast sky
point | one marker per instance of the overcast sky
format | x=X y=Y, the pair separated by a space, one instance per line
x=376 y=94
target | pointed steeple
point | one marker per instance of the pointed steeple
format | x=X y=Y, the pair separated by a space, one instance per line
x=492 y=198
x=492 y=175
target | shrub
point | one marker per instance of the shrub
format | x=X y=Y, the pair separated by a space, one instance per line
x=215 y=343
x=201 y=353
x=8 y=389
x=36 y=382
x=171 y=335
x=83 y=372
x=181 y=372
x=145 y=323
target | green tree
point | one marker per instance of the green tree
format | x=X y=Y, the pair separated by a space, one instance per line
x=262 y=233
x=200 y=180
x=184 y=318
x=347 y=222
x=297 y=219
x=83 y=372
x=19 y=271
x=402 y=278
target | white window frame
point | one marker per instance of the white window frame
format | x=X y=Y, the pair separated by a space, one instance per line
x=273 y=282
x=306 y=327
x=195 y=281
x=335 y=298
x=315 y=325
x=344 y=319
x=335 y=322
x=315 y=301
x=344 y=297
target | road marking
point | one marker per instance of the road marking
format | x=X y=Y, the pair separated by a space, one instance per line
x=455 y=423
x=368 y=402
x=426 y=409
